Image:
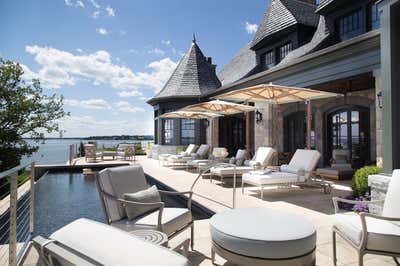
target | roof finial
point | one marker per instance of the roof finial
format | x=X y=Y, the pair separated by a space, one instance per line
x=194 y=38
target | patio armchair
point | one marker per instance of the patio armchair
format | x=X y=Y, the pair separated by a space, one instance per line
x=126 y=151
x=261 y=159
x=86 y=242
x=91 y=155
x=113 y=183
x=201 y=153
x=298 y=171
x=370 y=233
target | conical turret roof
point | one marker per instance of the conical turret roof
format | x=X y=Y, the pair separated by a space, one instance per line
x=193 y=77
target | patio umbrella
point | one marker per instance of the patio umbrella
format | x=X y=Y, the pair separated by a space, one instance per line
x=277 y=94
x=219 y=107
x=189 y=115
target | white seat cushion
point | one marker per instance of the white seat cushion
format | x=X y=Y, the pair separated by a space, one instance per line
x=263 y=233
x=173 y=219
x=382 y=235
x=109 y=246
x=272 y=178
x=228 y=171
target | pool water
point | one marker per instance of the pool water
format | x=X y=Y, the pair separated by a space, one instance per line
x=62 y=197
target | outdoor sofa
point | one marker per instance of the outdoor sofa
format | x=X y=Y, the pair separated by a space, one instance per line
x=86 y=242
x=115 y=184
x=371 y=233
x=261 y=159
x=298 y=171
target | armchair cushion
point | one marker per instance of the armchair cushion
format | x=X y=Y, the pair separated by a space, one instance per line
x=173 y=219
x=150 y=195
x=263 y=155
x=291 y=169
x=382 y=235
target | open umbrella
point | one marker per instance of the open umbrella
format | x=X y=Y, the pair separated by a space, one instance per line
x=189 y=115
x=277 y=94
x=219 y=107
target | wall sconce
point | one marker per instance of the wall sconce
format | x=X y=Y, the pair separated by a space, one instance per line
x=259 y=117
x=380 y=100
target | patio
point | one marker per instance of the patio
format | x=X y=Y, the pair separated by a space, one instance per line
x=308 y=202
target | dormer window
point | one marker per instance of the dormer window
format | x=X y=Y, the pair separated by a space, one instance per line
x=284 y=50
x=350 y=25
x=267 y=60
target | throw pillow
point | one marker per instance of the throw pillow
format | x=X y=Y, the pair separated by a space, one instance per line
x=150 y=195
x=232 y=160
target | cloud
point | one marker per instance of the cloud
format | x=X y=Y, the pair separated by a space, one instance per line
x=110 y=11
x=156 y=51
x=251 y=28
x=80 y=4
x=95 y=104
x=96 y=14
x=166 y=42
x=61 y=68
x=128 y=108
x=133 y=51
x=95 y=4
x=68 y=2
x=133 y=93
x=79 y=50
x=102 y=31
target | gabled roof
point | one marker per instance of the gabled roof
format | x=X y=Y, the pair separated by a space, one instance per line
x=323 y=4
x=282 y=14
x=240 y=66
x=193 y=77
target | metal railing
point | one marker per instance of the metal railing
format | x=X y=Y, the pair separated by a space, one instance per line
x=17 y=196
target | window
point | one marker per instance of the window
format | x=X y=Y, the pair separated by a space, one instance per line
x=373 y=17
x=168 y=131
x=187 y=131
x=350 y=25
x=284 y=50
x=267 y=60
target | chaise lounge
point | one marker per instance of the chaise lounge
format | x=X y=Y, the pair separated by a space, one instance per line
x=298 y=171
x=189 y=150
x=183 y=159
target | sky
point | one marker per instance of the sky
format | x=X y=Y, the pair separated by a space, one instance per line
x=108 y=57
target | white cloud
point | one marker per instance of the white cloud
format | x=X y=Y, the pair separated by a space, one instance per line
x=68 y=2
x=156 y=51
x=110 y=11
x=133 y=51
x=166 y=42
x=96 y=14
x=95 y=104
x=251 y=28
x=95 y=4
x=127 y=107
x=102 y=31
x=80 y=4
x=79 y=50
x=133 y=93
x=61 y=68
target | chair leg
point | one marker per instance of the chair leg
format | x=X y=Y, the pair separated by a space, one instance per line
x=212 y=256
x=360 y=259
x=262 y=192
x=334 y=247
x=396 y=261
x=242 y=186
x=192 y=237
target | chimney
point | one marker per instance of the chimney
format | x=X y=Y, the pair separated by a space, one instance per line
x=209 y=60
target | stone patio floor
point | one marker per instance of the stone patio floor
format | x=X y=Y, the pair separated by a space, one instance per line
x=309 y=202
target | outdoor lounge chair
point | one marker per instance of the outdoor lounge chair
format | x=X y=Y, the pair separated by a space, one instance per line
x=298 y=171
x=113 y=183
x=201 y=163
x=86 y=242
x=261 y=159
x=189 y=150
x=371 y=233
x=201 y=153
x=91 y=155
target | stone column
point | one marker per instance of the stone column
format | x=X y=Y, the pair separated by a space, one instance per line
x=378 y=118
x=263 y=130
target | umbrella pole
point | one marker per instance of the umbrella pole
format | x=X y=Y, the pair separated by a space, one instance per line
x=309 y=117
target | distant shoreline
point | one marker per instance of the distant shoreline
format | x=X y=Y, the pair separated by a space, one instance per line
x=135 y=137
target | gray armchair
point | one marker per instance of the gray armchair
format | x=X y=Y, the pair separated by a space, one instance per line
x=370 y=233
x=113 y=183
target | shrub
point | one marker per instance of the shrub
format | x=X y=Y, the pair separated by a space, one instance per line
x=360 y=179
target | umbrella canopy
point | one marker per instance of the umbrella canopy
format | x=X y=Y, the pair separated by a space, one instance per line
x=219 y=107
x=275 y=94
x=189 y=115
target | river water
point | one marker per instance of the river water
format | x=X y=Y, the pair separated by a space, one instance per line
x=54 y=151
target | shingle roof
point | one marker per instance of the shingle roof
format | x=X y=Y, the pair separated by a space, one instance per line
x=282 y=14
x=240 y=66
x=323 y=4
x=193 y=77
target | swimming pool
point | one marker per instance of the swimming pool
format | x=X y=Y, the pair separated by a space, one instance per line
x=62 y=197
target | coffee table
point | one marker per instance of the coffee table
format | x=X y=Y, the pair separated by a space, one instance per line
x=261 y=236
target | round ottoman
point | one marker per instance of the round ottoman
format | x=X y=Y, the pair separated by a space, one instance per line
x=261 y=236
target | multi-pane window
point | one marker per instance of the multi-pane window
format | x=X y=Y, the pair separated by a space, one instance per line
x=267 y=60
x=373 y=17
x=284 y=50
x=187 y=131
x=168 y=128
x=350 y=25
